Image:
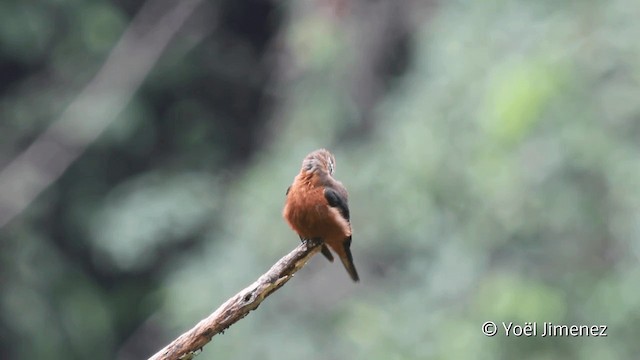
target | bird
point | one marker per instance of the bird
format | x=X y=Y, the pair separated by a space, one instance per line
x=317 y=208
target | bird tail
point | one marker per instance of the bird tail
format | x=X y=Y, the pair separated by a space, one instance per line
x=325 y=251
x=343 y=249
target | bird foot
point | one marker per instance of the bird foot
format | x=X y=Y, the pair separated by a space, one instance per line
x=313 y=241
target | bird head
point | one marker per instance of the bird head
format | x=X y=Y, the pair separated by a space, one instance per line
x=319 y=161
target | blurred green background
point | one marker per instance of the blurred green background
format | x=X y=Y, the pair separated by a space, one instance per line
x=491 y=150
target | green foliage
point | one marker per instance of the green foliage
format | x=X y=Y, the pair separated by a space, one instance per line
x=498 y=181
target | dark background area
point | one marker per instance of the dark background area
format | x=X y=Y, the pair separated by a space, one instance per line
x=490 y=150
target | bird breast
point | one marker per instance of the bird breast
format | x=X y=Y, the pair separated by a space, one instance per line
x=309 y=214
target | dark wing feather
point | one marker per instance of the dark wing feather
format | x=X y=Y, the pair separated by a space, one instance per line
x=338 y=200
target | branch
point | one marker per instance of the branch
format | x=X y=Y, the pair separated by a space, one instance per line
x=187 y=345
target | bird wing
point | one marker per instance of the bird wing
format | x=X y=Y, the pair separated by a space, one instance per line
x=337 y=198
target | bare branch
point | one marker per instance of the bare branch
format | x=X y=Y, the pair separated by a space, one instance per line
x=187 y=345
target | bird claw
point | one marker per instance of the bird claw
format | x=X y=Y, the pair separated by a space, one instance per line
x=313 y=241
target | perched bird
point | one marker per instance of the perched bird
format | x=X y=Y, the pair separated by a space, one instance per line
x=316 y=208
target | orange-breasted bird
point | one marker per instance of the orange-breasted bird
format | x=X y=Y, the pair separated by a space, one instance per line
x=317 y=208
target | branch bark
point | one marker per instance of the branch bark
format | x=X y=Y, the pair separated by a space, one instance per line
x=189 y=344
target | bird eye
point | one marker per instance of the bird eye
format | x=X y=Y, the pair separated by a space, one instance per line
x=330 y=166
